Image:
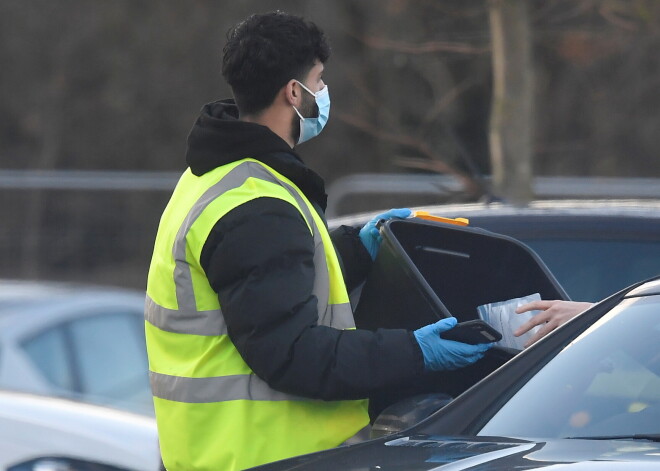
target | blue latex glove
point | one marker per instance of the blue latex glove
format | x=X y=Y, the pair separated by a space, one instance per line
x=440 y=354
x=370 y=235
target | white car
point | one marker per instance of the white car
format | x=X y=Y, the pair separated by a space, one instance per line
x=75 y=341
x=49 y=434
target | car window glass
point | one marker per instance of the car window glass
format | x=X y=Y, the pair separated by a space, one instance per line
x=606 y=382
x=48 y=351
x=111 y=356
x=591 y=270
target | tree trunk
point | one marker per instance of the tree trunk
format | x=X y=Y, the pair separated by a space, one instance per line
x=511 y=122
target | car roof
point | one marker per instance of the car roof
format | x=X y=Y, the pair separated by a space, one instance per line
x=28 y=294
x=26 y=289
x=33 y=426
x=25 y=405
x=648 y=209
x=649 y=288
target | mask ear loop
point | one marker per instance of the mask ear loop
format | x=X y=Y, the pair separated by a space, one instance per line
x=307 y=89
x=297 y=112
x=300 y=116
x=301 y=120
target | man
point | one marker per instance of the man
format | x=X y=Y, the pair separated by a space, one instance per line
x=253 y=354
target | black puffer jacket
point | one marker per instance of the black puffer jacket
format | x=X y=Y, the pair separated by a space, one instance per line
x=259 y=259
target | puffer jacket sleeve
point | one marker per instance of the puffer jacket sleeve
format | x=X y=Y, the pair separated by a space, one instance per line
x=353 y=256
x=259 y=259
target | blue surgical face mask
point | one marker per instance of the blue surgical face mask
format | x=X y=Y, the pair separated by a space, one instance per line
x=312 y=127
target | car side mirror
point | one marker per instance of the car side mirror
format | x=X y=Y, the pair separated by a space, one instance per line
x=408 y=412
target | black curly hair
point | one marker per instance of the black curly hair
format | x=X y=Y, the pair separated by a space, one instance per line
x=267 y=50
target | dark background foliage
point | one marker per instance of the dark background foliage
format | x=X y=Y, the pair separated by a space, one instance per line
x=116 y=85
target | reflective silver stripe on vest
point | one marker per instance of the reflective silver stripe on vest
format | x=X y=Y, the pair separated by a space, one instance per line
x=187 y=319
x=339 y=316
x=213 y=323
x=215 y=389
x=191 y=322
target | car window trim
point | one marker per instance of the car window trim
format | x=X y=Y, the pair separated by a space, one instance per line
x=67 y=330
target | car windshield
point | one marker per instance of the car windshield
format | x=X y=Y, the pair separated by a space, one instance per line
x=604 y=383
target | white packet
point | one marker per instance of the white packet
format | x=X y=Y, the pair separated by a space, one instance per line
x=502 y=316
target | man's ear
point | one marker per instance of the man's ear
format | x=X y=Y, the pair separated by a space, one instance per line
x=292 y=93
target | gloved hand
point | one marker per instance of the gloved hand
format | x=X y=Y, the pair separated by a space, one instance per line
x=440 y=354
x=370 y=235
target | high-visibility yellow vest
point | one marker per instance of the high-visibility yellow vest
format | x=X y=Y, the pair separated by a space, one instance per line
x=212 y=411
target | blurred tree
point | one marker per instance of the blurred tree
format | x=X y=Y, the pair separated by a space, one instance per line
x=117 y=85
x=424 y=64
x=512 y=112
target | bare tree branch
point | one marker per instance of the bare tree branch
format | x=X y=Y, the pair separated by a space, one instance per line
x=434 y=163
x=428 y=47
x=612 y=13
x=447 y=99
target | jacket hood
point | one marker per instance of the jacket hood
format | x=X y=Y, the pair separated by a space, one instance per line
x=218 y=138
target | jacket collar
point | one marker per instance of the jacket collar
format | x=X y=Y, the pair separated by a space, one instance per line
x=218 y=138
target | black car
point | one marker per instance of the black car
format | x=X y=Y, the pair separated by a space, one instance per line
x=586 y=397
x=594 y=248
